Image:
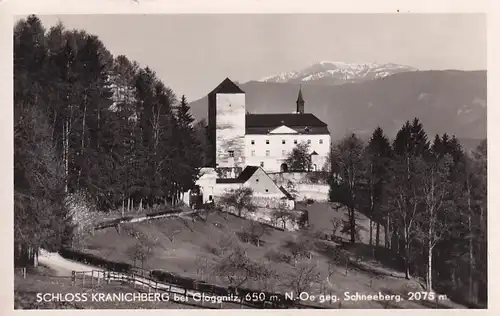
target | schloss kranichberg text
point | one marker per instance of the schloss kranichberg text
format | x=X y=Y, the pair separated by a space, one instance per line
x=133 y=297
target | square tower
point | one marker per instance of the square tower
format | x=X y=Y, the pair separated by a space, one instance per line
x=226 y=123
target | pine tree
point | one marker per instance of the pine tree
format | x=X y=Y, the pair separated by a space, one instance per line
x=379 y=153
x=123 y=83
x=190 y=148
x=411 y=147
x=145 y=145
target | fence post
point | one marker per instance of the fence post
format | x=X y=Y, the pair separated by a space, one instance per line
x=73 y=278
x=92 y=278
x=83 y=279
x=98 y=277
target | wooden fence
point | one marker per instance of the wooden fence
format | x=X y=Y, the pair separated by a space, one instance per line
x=191 y=294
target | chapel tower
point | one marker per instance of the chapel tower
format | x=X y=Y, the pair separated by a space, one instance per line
x=300 y=102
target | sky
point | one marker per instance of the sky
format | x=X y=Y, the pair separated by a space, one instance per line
x=192 y=54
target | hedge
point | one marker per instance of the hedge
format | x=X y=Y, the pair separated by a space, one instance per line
x=95 y=261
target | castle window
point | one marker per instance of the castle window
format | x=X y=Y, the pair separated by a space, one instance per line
x=321 y=141
x=252 y=142
x=253 y=152
x=256 y=180
x=267 y=190
x=283 y=142
x=308 y=141
x=295 y=141
x=231 y=153
x=268 y=152
x=262 y=164
x=267 y=141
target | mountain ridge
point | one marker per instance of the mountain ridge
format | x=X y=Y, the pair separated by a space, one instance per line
x=334 y=72
x=446 y=101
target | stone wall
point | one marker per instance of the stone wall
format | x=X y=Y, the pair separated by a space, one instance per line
x=306 y=185
x=317 y=192
x=265 y=215
x=314 y=177
x=273 y=203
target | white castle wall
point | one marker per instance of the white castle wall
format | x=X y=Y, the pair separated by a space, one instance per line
x=274 y=153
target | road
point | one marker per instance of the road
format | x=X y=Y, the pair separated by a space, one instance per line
x=64 y=267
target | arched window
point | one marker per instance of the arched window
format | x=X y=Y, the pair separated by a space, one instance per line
x=284 y=167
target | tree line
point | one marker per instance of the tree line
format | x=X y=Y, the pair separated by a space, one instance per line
x=427 y=198
x=87 y=122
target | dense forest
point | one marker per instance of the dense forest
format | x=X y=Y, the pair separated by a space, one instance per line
x=428 y=197
x=90 y=123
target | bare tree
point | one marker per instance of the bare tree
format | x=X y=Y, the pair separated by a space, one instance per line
x=347 y=159
x=240 y=199
x=202 y=267
x=254 y=232
x=225 y=243
x=172 y=233
x=282 y=215
x=435 y=189
x=266 y=277
x=300 y=248
x=141 y=251
x=407 y=200
x=336 y=224
x=237 y=267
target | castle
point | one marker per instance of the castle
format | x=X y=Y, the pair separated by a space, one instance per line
x=239 y=139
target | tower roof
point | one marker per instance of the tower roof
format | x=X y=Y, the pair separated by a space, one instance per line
x=262 y=124
x=300 y=99
x=228 y=87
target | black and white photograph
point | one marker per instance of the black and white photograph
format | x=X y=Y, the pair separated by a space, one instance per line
x=250 y=161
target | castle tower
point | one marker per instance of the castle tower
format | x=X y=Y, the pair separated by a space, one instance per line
x=226 y=123
x=300 y=102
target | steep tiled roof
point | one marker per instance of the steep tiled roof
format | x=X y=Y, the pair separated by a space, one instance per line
x=242 y=178
x=230 y=180
x=303 y=123
x=289 y=119
x=227 y=86
x=247 y=173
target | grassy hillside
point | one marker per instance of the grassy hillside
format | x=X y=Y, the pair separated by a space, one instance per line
x=187 y=248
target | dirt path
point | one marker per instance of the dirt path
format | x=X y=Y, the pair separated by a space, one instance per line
x=64 y=267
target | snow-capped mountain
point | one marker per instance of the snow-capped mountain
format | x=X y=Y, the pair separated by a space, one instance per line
x=327 y=72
